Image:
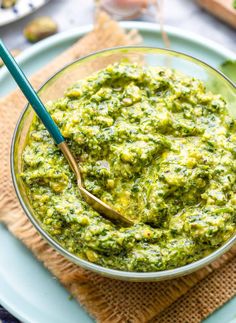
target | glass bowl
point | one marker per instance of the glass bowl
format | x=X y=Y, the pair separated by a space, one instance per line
x=55 y=87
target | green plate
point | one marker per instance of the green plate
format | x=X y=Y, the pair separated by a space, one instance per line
x=27 y=289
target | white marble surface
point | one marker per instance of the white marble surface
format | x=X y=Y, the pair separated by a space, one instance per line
x=184 y=14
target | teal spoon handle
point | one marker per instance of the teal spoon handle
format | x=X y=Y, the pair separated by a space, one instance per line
x=30 y=94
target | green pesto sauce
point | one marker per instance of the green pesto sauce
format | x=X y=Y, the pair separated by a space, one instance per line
x=152 y=143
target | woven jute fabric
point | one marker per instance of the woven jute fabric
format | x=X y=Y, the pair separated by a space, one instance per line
x=186 y=299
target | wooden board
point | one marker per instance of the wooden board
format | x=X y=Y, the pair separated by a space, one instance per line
x=222 y=9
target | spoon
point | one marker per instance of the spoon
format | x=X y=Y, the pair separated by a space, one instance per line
x=54 y=131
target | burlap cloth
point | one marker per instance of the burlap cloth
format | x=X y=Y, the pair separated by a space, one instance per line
x=187 y=299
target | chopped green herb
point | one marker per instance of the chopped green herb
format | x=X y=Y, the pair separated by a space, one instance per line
x=152 y=143
x=229 y=69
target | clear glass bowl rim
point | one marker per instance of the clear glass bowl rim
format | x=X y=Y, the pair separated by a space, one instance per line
x=113 y=273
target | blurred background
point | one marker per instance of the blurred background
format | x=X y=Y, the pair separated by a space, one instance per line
x=185 y=14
